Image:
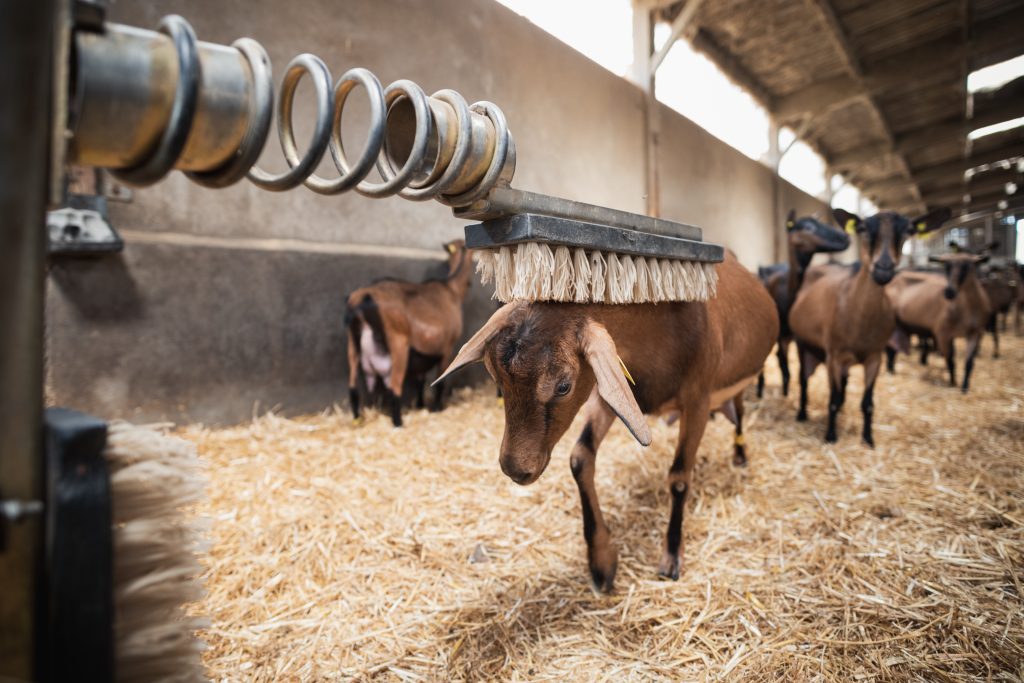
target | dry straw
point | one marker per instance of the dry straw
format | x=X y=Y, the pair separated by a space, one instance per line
x=367 y=553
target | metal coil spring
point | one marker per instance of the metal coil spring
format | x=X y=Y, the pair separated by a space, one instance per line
x=330 y=106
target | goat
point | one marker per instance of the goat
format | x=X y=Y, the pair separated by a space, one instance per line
x=806 y=237
x=944 y=307
x=398 y=329
x=1000 y=287
x=842 y=316
x=1018 y=283
x=552 y=358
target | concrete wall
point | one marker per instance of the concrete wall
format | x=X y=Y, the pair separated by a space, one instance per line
x=223 y=299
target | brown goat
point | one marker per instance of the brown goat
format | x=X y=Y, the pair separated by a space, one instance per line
x=551 y=358
x=805 y=237
x=842 y=316
x=944 y=307
x=398 y=328
x=1001 y=288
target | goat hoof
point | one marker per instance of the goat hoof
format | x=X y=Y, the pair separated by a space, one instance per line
x=831 y=438
x=869 y=442
x=801 y=416
x=669 y=567
x=602 y=570
x=436 y=409
x=739 y=459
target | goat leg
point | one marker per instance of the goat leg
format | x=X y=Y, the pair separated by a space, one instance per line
x=890 y=360
x=353 y=374
x=438 y=403
x=807 y=365
x=421 y=383
x=399 y=348
x=739 y=455
x=948 y=349
x=973 y=345
x=680 y=478
x=760 y=384
x=602 y=557
x=783 y=355
x=837 y=376
x=867 y=404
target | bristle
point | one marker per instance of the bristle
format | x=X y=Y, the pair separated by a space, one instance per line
x=156 y=572
x=536 y=271
x=614 y=291
x=642 y=289
x=504 y=274
x=562 y=281
x=598 y=268
x=581 y=276
x=485 y=266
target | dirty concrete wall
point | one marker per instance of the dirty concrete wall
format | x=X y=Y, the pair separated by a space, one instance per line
x=227 y=299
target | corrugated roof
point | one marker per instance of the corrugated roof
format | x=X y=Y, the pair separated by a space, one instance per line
x=882 y=84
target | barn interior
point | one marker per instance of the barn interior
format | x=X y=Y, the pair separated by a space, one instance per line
x=342 y=549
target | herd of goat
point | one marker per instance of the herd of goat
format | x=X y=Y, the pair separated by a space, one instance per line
x=684 y=360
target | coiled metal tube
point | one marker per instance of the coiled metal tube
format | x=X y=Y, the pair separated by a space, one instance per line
x=212 y=120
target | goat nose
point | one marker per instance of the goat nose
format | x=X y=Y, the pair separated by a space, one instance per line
x=950 y=293
x=513 y=471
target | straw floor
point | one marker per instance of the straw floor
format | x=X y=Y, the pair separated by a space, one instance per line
x=343 y=552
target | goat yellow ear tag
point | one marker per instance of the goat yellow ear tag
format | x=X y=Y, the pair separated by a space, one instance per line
x=921 y=226
x=851 y=226
x=450 y=248
x=790 y=224
x=626 y=372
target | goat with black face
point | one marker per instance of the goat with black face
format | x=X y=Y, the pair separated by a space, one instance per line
x=806 y=237
x=842 y=316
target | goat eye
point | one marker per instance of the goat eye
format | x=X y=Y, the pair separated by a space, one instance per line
x=563 y=388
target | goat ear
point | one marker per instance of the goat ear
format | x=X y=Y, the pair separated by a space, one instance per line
x=932 y=220
x=473 y=350
x=850 y=222
x=599 y=350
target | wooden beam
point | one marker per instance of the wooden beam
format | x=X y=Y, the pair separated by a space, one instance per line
x=939 y=171
x=993 y=36
x=679 y=24
x=706 y=44
x=837 y=35
x=653 y=4
x=910 y=66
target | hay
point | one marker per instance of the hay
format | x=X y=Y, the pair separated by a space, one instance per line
x=343 y=552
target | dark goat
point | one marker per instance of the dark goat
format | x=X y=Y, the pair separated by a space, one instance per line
x=806 y=237
x=842 y=316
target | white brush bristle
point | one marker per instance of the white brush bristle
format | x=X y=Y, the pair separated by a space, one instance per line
x=534 y=271
x=156 y=570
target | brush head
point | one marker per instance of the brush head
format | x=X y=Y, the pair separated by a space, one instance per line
x=531 y=257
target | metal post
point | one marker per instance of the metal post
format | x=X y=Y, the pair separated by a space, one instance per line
x=26 y=56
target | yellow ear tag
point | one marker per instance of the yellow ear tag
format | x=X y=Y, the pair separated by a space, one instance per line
x=851 y=226
x=626 y=372
x=739 y=440
x=790 y=224
x=450 y=248
x=921 y=226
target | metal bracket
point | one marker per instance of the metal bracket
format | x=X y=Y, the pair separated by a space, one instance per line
x=15 y=511
x=82 y=228
x=528 y=227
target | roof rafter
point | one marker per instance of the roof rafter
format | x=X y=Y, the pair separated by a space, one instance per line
x=836 y=33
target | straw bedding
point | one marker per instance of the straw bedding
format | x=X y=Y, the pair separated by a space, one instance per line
x=344 y=552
